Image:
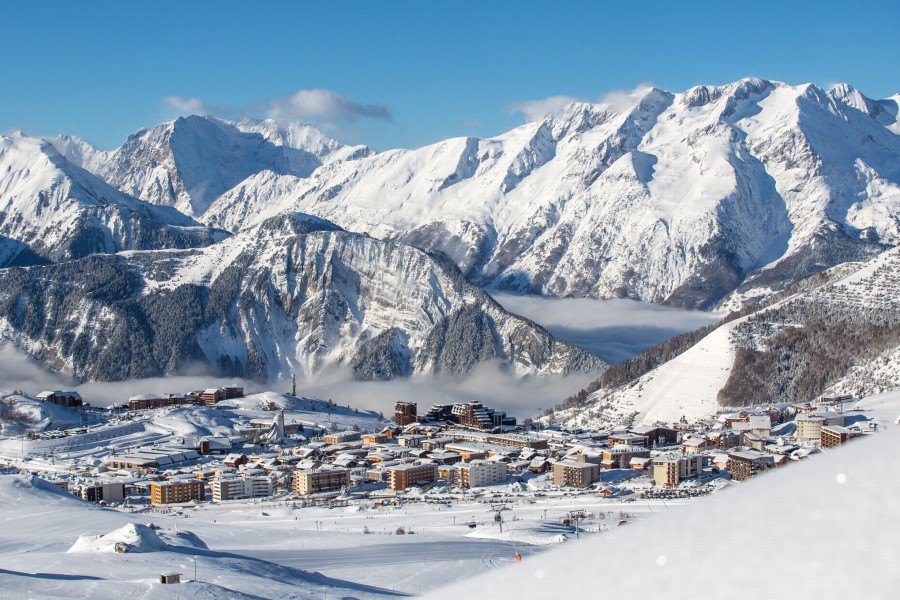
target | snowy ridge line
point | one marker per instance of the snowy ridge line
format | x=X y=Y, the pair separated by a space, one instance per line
x=689 y=385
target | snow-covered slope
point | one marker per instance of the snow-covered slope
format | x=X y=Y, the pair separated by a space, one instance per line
x=189 y=162
x=669 y=198
x=60 y=211
x=54 y=545
x=20 y=414
x=294 y=294
x=781 y=522
x=856 y=294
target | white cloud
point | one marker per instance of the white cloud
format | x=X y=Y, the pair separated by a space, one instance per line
x=618 y=100
x=612 y=329
x=489 y=383
x=535 y=110
x=188 y=106
x=623 y=99
x=324 y=108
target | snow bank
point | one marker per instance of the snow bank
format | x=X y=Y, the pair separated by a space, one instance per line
x=833 y=535
x=130 y=538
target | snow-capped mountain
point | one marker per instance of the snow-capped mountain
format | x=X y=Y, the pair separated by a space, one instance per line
x=295 y=294
x=51 y=209
x=676 y=198
x=840 y=333
x=189 y=162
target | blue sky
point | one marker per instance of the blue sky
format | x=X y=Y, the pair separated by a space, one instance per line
x=404 y=74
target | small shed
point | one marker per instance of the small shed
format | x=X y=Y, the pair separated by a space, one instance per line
x=170 y=577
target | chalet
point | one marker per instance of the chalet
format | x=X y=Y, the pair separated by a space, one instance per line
x=724 y=439
x=756 y=442
x=392 y=432
x=236 y=460
x=628 y=439
x=466 y=451
x=539 y=464
x=61 y=398
x=341 y=437
x=214 y=445
x=444 y=458
x=411 y=441
x=657 y=435
x=370 y=439
x=619 y=457
x=758 y=424
x=695 y=444
x=640 y=463
x=437 y=442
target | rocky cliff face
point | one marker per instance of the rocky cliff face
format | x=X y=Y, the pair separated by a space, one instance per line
x=671 y=198
x=53 y=210
x=294 y=294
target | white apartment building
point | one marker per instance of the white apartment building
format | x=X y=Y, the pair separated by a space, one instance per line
x=480 y=473
x=248 y=486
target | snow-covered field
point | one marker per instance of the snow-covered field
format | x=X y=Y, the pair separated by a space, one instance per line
x=824 y=528
x=830 y=530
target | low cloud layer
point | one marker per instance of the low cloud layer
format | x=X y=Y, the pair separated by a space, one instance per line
x=490 y=383
x=325 y=108
x=612 y=329
x=618 y=100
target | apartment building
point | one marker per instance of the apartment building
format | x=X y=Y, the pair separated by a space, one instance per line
x=313 y=481
x=627 y=439
x=809 y=426
x=746 y=463
x=342 y=437
x=169 y=492
x=569 y=473
x=479 y=473
x=669 y=471
x=835 y=435
x=619 y=457
x=403 y=476
x=247 y=486
x=405 y=413
x=106 y=492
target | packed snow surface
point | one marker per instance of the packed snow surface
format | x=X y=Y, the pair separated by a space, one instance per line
x=782 y=522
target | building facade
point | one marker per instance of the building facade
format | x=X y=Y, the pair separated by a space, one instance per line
x=405 y=413
x=672 y=470
x=320 y=480
x=569 y=473
x=171 y=492
x=403 y=476
x=479 y=473
x=745 y=464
